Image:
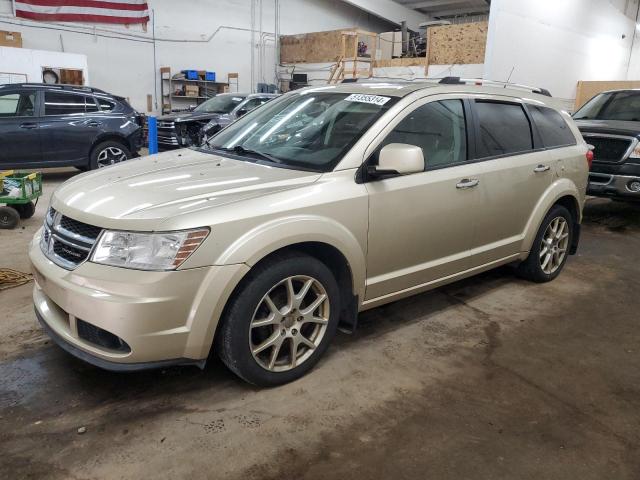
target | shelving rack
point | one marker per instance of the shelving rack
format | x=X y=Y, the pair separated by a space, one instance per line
x=174 y=103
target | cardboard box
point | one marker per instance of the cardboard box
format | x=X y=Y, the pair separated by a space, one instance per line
x=10 y=39
x=191 y=90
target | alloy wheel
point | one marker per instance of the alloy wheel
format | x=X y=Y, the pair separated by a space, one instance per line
x=110 y=156
x=553 y=248
x=289 y=323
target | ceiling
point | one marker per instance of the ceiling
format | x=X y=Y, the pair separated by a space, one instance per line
x=448 y=9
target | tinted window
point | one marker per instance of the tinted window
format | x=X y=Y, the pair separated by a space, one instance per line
x=90 y=105
x=58 y=103
x=17 y=104
x=554 y=130
x=106 y=105
x=504 y=129
x=438 y=128
x=620 y=105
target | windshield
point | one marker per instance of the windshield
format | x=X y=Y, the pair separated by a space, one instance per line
x=220 y=104
x=309 y=130
x=624 y=105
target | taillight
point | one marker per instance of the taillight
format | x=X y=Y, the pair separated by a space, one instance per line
x=589 y=156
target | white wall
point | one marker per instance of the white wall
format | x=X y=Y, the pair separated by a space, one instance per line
x=555 y=43
x=201 y=34
x=30 y=62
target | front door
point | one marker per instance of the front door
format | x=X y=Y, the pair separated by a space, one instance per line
x=19 y=135
x=421 y=225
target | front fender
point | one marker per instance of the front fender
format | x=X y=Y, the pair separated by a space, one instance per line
x=562 y=187
x=279 y=233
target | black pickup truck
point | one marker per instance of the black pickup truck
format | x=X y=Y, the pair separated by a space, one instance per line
x=610 y=122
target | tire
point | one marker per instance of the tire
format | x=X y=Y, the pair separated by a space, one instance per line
x=548 y=257
x=108 y=153
x=9 y=218
x=237 y=341
x=25 y=210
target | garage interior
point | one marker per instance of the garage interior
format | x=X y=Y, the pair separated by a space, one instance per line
x=487 y=377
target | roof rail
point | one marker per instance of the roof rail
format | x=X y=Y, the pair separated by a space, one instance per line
x=60 y=86
x=481 y=81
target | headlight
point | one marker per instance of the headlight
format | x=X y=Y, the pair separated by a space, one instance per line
x=636 y=152
x=147 y=251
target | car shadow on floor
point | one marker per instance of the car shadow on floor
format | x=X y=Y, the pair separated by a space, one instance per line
x=612 y=215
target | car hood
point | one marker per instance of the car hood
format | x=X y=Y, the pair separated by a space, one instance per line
x=180 y=117
x=613 y=127
x=147 y=193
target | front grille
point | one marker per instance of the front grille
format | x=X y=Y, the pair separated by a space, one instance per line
x=167 y=133
x=609 y=149
x=80 y=229
x=67 y=242
x=101 y=338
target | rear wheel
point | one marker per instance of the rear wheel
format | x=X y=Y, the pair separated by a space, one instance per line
x=108 y=153
x=550 y=248
x=9 y=218
x=281 y=320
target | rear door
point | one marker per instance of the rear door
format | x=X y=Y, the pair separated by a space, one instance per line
x=19 y=135
x=66 y=130
x=517 y=172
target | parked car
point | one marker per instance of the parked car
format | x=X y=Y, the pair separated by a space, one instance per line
x=186 y=129
x=44 y=125
x=304 y=212
x=610 y=122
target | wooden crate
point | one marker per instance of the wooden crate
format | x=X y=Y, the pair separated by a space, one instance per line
x=323 y=47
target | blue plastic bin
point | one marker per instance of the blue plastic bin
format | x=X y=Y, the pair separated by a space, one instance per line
x=190 y=74
x=210 y=76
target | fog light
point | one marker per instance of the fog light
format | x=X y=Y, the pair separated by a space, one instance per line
x=634 y=186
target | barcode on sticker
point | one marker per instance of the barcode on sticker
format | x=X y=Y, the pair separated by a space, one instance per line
x=363 y=98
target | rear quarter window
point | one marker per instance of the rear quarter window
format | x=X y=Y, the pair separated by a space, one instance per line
x=553 y=129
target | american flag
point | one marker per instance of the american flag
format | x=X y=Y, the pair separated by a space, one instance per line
x=99 y=11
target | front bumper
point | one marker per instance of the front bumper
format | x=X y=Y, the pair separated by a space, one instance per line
x=165 y=318
x=608 y=185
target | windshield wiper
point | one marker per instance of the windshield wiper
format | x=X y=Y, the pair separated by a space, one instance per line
x=247 y=151
x=240 y=150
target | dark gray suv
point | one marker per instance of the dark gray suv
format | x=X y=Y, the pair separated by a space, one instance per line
x=45 y=125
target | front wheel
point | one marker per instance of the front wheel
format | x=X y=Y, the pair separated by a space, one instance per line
x=550 y=248
x=108 y=153
x=281 y=321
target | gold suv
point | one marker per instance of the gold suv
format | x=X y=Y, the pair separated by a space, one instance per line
x=323 y=203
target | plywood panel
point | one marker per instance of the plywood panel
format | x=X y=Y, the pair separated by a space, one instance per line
x=401 y=62
x=316 y=47
x=457 y=44
x=588 y=89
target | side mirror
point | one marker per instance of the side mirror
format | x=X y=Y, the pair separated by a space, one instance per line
x=241 y=112
x=397 y=159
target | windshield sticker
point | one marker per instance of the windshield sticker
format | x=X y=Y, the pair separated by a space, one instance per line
x=363 y=98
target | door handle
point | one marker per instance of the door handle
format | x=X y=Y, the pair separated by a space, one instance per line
x=93 y=123
x=29 y=125
x=542 y=168
x=467 y=183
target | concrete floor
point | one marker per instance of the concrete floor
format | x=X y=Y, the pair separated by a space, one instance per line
x=492 y=377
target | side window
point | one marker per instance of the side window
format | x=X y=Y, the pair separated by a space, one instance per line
x=106 y=105
x=552 y=127
x=90 y=105
x=251 y=104
x=58 y=103
x=439 y=129
x=17 y=104
x=504 y=129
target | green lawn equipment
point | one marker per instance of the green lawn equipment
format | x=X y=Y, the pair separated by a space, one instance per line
x=19 y=190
